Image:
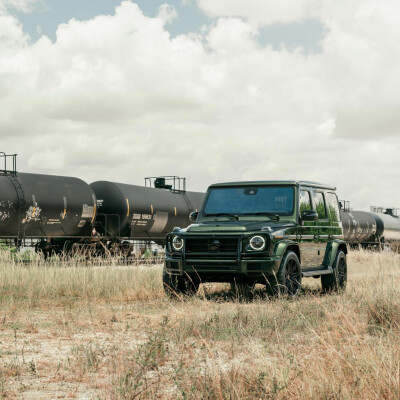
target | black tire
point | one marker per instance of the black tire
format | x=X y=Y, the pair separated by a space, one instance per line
x=336 y=281
x=175 y=286
x=287 y=281
x=242 y=289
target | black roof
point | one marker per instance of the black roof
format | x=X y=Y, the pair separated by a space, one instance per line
x=283 y=182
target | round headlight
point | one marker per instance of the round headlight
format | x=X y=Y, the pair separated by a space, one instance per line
x=177 y=243
x=257 y=243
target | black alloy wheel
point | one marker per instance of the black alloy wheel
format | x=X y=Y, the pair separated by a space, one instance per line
x=287 y=281
x=292 y=276
x=336 y=281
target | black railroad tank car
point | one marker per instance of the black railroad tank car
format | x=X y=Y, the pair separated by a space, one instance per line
x=368 y=229
x=359 y=227
x=45 y=206
x=144 y=213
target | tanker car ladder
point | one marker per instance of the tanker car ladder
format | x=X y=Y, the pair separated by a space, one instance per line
x=13 y=177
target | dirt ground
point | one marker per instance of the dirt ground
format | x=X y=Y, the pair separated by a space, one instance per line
x=119 y=344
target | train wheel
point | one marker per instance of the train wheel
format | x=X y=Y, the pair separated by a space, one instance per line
x=67 y=248
x=77 y=250
x=126 y=248
x=338 y=279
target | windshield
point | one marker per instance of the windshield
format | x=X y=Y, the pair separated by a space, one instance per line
x=248 y=200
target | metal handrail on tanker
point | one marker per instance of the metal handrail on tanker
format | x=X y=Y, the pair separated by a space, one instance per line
x=178 y=185
x=14 y=162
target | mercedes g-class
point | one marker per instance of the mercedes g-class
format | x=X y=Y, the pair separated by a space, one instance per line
x=272 y=233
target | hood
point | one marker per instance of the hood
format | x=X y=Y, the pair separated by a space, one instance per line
x=235 y=226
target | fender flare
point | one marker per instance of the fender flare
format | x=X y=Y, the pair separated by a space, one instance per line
x=282 y=246
x=332 y=249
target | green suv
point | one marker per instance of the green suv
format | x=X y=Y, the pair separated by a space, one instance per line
x=273 y=233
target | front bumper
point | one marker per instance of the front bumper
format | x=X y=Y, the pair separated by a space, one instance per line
x=244 y=268
x=230 y=260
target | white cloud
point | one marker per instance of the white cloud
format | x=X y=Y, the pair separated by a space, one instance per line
x=232 y=35
x=21 y=5
x=167 y=13
x=12 y=38
x=51 y=159
x=262 y=12
x=115 y=97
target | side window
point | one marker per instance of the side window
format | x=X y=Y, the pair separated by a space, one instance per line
x=305 y=201
x=319 y=205
x=333 y=207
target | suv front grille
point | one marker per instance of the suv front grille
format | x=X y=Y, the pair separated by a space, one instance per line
x=212 y=248
x=205 y=245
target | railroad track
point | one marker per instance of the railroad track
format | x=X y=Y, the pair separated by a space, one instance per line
x=128 y=261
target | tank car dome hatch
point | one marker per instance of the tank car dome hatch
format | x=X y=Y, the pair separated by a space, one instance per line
x=41 y=206
x=160 y=183
x=139 y=212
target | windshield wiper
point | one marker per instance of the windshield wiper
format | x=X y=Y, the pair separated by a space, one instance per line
x=271 y=215
x=232 y=216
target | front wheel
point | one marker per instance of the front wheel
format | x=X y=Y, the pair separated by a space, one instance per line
x=242 y=290
x=338 y=279
x=174 y=285
x=287 y=281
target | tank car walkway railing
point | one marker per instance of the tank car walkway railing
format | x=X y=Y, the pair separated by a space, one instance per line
x=172 y=182
x=11 y=160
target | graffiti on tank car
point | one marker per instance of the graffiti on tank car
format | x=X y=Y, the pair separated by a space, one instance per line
x=33 y=214
x=5 y=210
x=358 y=231
x=87 y=211
x=64 y=215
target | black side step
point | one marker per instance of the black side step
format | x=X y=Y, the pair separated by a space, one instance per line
x=316 y=272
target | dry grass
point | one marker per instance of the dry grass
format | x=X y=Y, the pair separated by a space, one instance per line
x=72 y=331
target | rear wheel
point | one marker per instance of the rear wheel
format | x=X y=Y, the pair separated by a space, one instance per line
x=287 y=281
x=180 y=285
x=338 y=279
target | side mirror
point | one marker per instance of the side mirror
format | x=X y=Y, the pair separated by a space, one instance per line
x=309 y=215
x=193 y=216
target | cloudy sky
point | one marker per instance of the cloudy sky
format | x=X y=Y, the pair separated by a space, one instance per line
x=210 y=90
